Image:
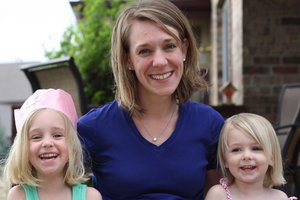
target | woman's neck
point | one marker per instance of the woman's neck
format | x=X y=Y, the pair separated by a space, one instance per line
x=158 y=121
x=157 y=106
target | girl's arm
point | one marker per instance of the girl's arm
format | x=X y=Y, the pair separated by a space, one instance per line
x=212 y=178
x=216 y=192
x=92 y=194
x=16 y=192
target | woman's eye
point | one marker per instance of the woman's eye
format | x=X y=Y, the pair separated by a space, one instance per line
x=170 y=46
x=143 y=51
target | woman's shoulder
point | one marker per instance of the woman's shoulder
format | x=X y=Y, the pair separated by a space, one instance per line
x=93 y=194
x=16 y=192
x=191 y=105
x=216 y=192
x=103 y=108
x=100 y=112
x=199 y=109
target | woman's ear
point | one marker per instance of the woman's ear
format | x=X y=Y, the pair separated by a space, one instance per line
x=185 y=46
x=129 y=63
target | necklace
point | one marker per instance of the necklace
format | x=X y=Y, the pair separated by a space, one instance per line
x=154 y=139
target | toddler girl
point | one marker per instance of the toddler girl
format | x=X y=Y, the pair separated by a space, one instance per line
x=250 y=159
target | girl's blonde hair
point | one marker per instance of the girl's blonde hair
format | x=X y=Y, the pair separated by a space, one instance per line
x=18 y=170
x=262 y=131
x=163 y=13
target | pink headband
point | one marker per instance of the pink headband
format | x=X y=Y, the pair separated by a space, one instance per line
x=56 y=99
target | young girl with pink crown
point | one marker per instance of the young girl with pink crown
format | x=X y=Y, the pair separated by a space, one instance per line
x=45 y=161
x=250 y=159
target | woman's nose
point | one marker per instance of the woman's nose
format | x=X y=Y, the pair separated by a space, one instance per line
x=159 y=59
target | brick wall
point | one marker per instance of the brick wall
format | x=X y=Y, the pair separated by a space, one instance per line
x=271 y=52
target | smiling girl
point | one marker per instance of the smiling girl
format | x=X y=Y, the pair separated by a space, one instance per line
x=250 y=158
x=45 y=160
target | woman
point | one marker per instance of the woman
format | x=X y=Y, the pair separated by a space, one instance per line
x=152 y=142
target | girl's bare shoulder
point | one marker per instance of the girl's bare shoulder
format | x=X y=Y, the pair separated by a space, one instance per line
x=16 y=192
x=93 y=194
x=216 y=192
x=278 y=195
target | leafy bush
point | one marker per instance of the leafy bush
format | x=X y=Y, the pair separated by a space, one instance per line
x=4 y=144
x=89 y=44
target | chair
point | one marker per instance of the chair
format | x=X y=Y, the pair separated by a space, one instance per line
x=289 y=100
x=58 y=73
x=288 y=132
x=291 y=158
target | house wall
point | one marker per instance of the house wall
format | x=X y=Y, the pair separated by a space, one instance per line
x=234 y=39
x=215 y=64
x=264 y=51
x=14 y=89
x=236 y=52
x=271 y=52
x=201 y=28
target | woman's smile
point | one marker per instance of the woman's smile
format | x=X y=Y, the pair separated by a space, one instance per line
x=161 y=76
x=156 y=57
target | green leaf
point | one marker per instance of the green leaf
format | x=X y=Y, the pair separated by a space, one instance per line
x=89 y=44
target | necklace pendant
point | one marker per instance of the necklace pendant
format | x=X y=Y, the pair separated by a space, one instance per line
x=154 y=139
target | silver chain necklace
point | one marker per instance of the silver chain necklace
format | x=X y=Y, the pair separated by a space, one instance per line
x=154 y=139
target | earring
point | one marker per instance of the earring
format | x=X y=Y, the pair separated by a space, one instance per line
x=183 y=59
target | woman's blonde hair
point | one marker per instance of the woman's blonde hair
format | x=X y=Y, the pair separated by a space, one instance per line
x=18 y=170
x=163 y=13
x=262 y=131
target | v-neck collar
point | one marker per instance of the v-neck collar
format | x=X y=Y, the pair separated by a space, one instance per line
x=145 y=142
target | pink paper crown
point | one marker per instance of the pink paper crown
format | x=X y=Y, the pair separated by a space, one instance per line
x=56 y=99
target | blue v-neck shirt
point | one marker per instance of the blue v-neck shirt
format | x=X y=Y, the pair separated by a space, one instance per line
x=126 y=166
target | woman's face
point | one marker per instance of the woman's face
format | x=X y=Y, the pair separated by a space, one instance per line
x=156 y=58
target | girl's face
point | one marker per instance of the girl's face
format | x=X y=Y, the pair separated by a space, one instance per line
x=156 y=57
x=245 y=158
x=48 y=152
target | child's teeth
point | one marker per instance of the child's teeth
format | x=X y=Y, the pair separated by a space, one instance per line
x=51 y=155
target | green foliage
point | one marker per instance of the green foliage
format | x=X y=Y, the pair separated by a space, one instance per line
x=4 y=144
x=89 y=44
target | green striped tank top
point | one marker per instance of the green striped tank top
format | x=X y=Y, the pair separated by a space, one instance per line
x=78 y=192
